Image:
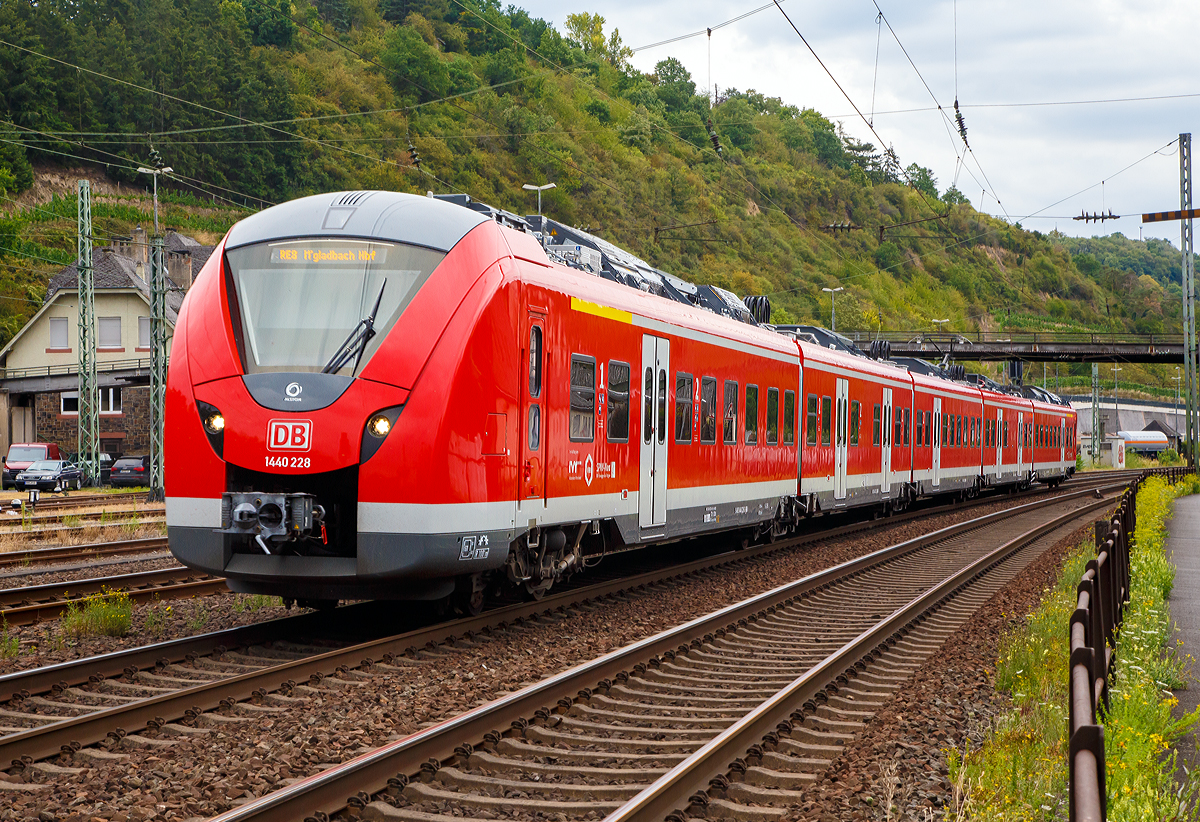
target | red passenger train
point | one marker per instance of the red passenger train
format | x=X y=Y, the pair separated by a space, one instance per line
x=377 y=395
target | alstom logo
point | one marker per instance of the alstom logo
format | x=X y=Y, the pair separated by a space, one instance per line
x=289 y=435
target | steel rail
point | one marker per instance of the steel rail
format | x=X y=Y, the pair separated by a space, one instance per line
x=328 y=790
x=50 y=739
x=32 y=556
x=24 y=606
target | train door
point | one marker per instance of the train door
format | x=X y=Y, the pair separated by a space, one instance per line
x=937 y=441
x=885 y=487
x=1020 y=442
x=531 y=495
x=652 y=484
x=997 y=442
x=1062 y=441
x=840 y=438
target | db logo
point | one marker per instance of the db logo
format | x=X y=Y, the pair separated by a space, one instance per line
x=289 y=435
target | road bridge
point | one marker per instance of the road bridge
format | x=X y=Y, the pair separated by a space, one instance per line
x=1029 y=346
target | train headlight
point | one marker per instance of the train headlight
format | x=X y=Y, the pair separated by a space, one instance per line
x=215 y=423
x=378 y=426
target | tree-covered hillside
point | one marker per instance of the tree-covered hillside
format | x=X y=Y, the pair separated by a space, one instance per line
x=257 y=101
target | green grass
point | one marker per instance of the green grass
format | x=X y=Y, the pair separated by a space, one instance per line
x=10 y=644
x=1020 y=773
x=108 y=613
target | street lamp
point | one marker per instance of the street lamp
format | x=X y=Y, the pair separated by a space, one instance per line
x=832 y=308
x=539 y=190
x=1116 y=401
x=939 y=323
x=155 y=172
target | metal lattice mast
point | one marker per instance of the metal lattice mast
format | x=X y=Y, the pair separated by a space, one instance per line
x=1189 y=294
x=89 y=391
x=1096 y=426
x=158 y=362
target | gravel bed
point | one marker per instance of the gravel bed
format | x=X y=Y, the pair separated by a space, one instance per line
x=47 y=644
x=206 y=774
x=47 y=574
x=948 y=704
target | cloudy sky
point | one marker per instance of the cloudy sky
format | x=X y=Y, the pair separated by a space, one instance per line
x=1008 y=52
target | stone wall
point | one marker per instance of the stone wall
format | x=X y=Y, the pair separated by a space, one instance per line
x=125 y=433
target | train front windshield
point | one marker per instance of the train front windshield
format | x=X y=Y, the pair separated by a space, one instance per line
x=303 y=305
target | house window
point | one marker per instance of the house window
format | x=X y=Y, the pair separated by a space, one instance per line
x=583 y=398
x=109 y=398
x=618 y=401
x=58 y=333
x=708 y=410
x=143 y=332
x=110 y=332
x=683 y=407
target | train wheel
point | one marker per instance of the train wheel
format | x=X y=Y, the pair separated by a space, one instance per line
x=470 y=594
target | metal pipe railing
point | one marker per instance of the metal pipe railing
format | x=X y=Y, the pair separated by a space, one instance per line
x=1102 y=593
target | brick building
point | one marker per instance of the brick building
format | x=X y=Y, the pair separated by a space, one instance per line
x=39 y=383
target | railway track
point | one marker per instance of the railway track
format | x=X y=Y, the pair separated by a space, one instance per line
x=67 y=553
x=727 y=716
x=25 y=606
x=158 y=686
x=49 y=502
x=108 y=516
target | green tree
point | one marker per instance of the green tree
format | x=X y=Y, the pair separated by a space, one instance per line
x=270 y=22
x=922 y=180
x=953 y=196
x=413 y=67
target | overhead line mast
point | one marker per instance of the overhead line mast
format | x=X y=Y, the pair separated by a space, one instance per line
x=89 y=392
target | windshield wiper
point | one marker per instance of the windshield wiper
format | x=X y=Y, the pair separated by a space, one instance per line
x=355 y=345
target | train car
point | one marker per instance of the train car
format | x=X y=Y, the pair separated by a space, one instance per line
x=1005 y=460
x=1052 y=435
x=1145 y=442
x=856 y=449
x=377 y=395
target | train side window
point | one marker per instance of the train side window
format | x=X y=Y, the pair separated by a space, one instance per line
x=618 y=401
x=535 y=427
x=662 y=406
x=945 y=428
x=876 y=424
x=683 y=407
x=648 y=407
x=907 y=423
x=813 y=420
x=826 y=419
x=731 y=406
x=708 y=410
x=789 y=417
x=855 y=414
x=772 y=416
x=583 y=398
x=535 y=361
x=898 y=426
x=929 y=426
x=1004 y=435
x=751 y=415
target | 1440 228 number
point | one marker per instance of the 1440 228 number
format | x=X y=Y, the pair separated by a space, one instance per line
x=288 y=462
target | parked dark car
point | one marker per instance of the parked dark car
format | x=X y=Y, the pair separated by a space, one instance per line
x=106 y=462
x=131 y=471
x=48 y=475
